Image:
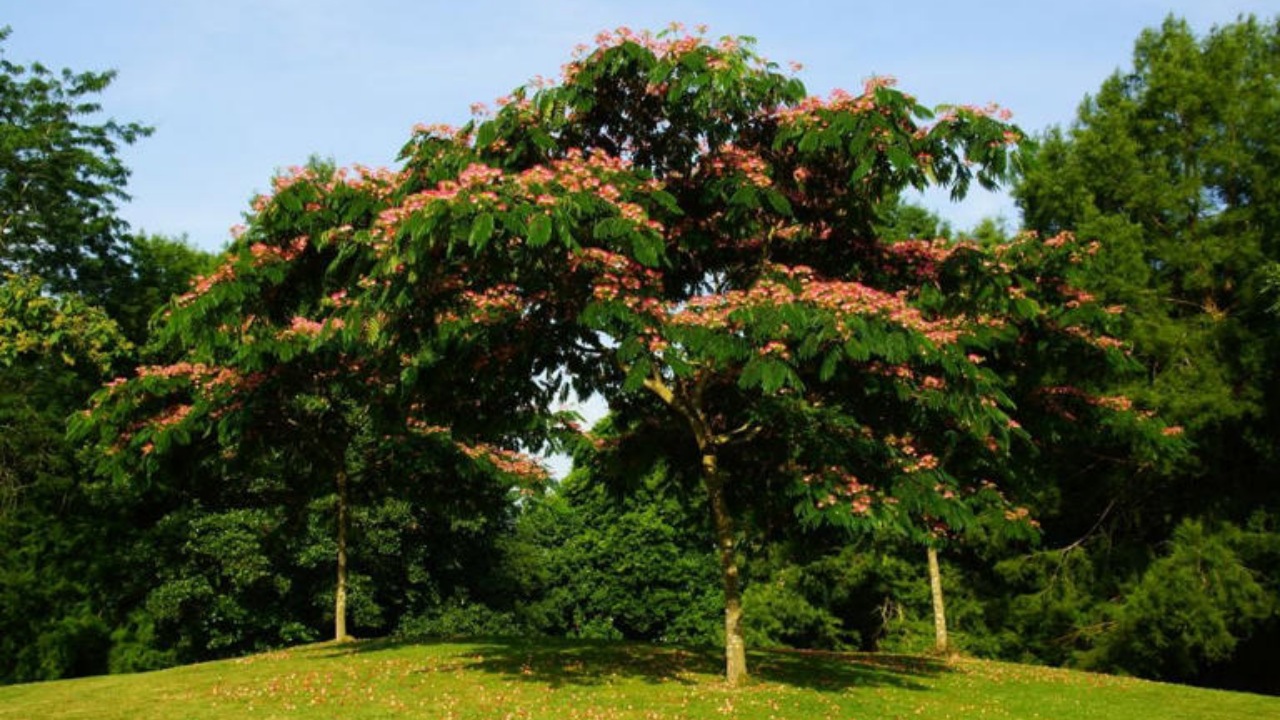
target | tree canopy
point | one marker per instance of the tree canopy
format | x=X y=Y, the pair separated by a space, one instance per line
x=676 y=226
x=60 y=179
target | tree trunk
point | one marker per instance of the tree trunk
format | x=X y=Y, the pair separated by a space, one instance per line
x=689 y=405
x=941 y=645
x=340 y=593
x=735 y=647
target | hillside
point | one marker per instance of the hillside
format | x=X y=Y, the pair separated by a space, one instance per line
x=569 y=680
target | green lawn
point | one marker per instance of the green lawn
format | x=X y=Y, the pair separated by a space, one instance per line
x=580 y=680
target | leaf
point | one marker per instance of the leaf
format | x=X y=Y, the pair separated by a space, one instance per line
x=481 y=231
x=900 y=159
x=290 y=201
x=539 y=230
x=829 y=365
x=610 y=228
x=647 y=249
x=778 y=202
x=746 y=196
x=485 y=134
x=861 y=171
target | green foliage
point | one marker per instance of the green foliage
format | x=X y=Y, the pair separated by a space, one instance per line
x=53 y=351
x=1171 y=167
x=48 y=331
x=592 y=562
x=458 y=618
x=159 y=269
x=868 y=595
x=1189 y=610
x=60 y=179
x=789 y=350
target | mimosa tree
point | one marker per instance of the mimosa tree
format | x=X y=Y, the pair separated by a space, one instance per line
x=676 y=226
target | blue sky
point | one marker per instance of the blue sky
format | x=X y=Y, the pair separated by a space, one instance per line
x=239 y=88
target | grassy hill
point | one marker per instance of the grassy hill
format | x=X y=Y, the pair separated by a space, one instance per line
x=572 y=680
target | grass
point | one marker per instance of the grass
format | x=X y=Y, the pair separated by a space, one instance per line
x=583 y=680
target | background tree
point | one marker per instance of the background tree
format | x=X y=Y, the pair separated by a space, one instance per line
x=623 y=557
x=77 y=290
x=1171 y=167
x=54 y=573
x=60 y=180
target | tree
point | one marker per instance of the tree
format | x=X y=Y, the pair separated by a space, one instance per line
x=1171 y=165
x=60 y=180
x=159 y=269
x=623 y=559
x=262 y=381
x=53 y=351
x=677 y=227
x=1171 y=168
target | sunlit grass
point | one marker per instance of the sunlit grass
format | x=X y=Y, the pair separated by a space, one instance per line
x=581 y=680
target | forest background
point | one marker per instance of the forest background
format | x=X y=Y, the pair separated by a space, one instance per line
x=1164 y=567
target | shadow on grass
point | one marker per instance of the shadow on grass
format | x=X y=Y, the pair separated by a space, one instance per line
x=559 y=663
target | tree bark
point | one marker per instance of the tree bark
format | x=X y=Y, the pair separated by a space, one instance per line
x=735 y=647
x=941 y=645
x=340 y=592
x=688 y=403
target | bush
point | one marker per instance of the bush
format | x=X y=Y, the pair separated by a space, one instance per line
x=459 y=618
x=1189 y=610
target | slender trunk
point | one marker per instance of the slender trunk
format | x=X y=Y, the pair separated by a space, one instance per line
x=688 y=403
x=735 y=647
x=939 y=613
x=340 y=593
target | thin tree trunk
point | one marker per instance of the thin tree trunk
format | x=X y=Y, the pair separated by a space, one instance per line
x=941 y=646
x=735 y=647
x=689 y=404
x=340 y=593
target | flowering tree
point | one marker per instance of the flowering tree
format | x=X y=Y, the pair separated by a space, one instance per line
x=677 y=226
x=264 y=377
x=675 y=220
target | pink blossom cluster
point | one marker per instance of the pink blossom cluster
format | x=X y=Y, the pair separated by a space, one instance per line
x=506 y=461
x=1020 y=514
x=205 y=378
x=904 y=372
x=1118 y=403
x=493 y=303
x=204 y=283
x=294 y=175
x=729 y=158
x=172 y=416
x=844 y=486
x=618 y=276
x=1114 y=403
x=300 y=326
x=379 y=181
x=843 y=298
x=181 y=369
x=988 y=110
x=1103 y=342
x=910 y=458
x=923 y=257
x=673 y=42
x=263 y=253
x=810 y=109
x=543 y=185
